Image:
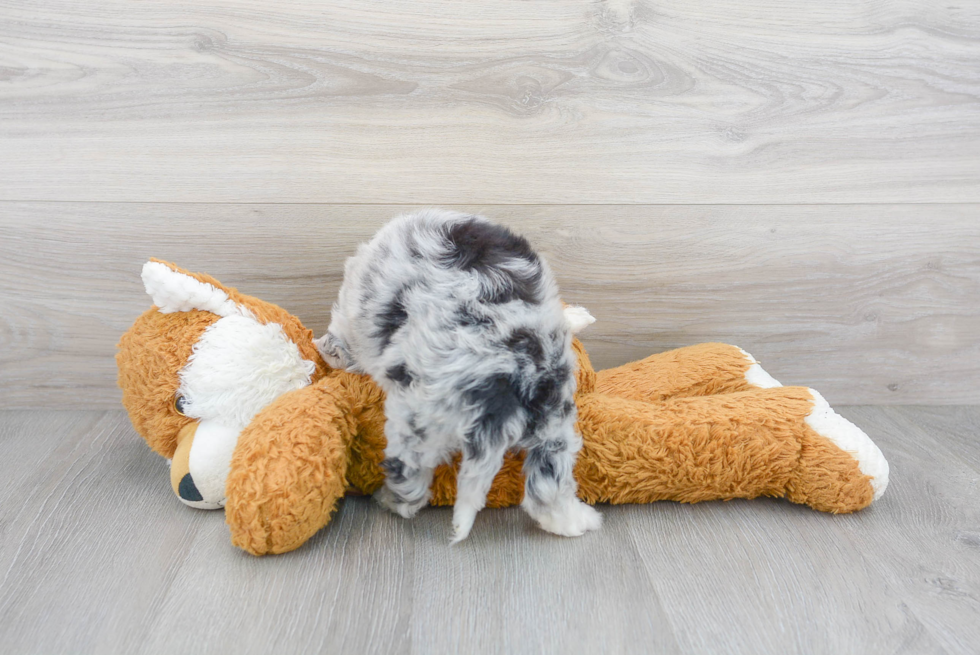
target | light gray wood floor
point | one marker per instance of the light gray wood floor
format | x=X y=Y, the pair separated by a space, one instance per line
x=96 y=556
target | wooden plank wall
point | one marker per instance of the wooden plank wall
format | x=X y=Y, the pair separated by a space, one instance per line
x=800 y=179
x=867 y=303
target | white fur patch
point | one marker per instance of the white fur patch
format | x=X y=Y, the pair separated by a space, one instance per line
x=175 y=292
x=757 y=376
x=578 y=318
x=238 y=367
x=210 y=462
x=851 y=439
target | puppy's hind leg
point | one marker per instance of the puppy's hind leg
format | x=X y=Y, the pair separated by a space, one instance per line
x=407 y=478
x=550 y=487
x=406 y=488
x=476 y=473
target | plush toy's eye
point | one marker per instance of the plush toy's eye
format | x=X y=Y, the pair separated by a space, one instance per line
x=179 y=405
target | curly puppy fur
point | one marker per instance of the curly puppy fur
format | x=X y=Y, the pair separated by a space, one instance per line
x=459 y=321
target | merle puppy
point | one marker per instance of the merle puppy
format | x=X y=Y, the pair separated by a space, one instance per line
x=459 y=321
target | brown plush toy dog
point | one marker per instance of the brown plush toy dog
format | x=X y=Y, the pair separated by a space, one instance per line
x=233 y=391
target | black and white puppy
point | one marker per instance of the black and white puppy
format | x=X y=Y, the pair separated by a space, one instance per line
x=459 y=321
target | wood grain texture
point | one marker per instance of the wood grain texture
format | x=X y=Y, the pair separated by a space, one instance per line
x=793 y=584
x=490 y=101
x=96 y=556
x=927 y=548
x=88 y=550
x=877 y=304
x=906 y=578
x=516 y=589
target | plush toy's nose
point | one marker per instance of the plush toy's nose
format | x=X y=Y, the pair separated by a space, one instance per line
x=187 y=490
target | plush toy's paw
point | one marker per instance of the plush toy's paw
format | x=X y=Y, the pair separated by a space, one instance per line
x=852 y=440
x=289 y=469
x=397 y=505
x=840 y=469
x=757 y=376
x=569 y=519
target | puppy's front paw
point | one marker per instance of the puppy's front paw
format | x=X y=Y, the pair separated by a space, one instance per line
x=397 y=505
x=571 y=519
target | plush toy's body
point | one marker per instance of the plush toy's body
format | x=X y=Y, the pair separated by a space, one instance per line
x=282 y=439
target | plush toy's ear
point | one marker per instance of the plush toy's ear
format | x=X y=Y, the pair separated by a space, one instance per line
x=176 y=290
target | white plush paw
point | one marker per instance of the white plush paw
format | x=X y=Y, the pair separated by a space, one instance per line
x=757 y=376
x=851 y=439
x=391 y=502
x=572 y=519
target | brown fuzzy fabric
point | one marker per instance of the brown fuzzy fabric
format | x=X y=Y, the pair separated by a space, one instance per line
x=682 y=425
x=288 y=470
x=827 y=478
x=701 y=370
x=150 y=357
x=740 y=445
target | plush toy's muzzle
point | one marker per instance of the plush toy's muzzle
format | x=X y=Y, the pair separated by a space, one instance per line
x=180 y=471
x=200 y=464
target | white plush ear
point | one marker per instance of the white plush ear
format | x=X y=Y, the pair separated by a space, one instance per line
x=176 y=292
x=578 y=318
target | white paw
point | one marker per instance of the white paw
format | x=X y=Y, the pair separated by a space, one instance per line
x=757 y=376
x=851 y=439
x=323 y=347
x=578 y=318
x=571 y=519
x=463 y=517
x=396 y=505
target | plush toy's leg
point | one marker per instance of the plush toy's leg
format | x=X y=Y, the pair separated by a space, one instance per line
x=702 y=370
x=783 y=442
x=288 y=470
x=840 y=442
